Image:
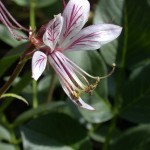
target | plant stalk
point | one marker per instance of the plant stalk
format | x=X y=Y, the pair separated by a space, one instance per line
x=32 y=24
x=110 y=133
x=51 y=87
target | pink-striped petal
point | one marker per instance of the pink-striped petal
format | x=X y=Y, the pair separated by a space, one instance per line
x=85 y=105
x=39 y=61
x=93 y=37
x=51 y=36
x=78 y=102
x=75 y=16
x=70 y=82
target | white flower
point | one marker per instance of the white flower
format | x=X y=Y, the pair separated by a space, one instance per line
x=64 y=33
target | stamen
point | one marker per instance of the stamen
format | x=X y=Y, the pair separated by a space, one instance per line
x=71 y=71
x=3 y=9
x=5 y=16
x=7 y=21
x=89 y=88
x=79 y=68
x=62 y=73
x=72 y=77
x=110 y=73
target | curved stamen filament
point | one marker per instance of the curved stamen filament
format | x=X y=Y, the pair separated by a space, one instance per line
x=61 y=72
x=71 y=72
x=78 y=67
x=110 y=73
x=89 y=87
x=5 y=11
x=11 y=23
x=97 y=78
x=84 y=78
x=72 y=77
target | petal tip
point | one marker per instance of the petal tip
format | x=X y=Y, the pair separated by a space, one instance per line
x=85 y=105
x=88 y=107
x=119 y=28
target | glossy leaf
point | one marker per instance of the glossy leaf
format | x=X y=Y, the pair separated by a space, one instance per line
x=100 y=133
x=136 y=95
x=7 y=146
x=105 y=14
x=102 y=110
x=12 y=95
x=4 y=134
x=42 y=109
x=46 y=133
x=137 y=138
x=133 y=45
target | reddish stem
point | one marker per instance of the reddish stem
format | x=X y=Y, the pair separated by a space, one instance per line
x=64 y=3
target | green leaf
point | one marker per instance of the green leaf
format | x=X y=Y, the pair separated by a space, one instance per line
x=100 y=133
x=11 y=57
x=6 y=37
x=55 y=131
x=4 y=146
x=103 y=111
x=37 y=3
x=137 y=138
x=40 y=110
x=98 y=68
x=105 y=14
x=133 y=43
x=4 y=134
x=136 y=95
x=24 y=81
x=14 y=96
x=44 y=83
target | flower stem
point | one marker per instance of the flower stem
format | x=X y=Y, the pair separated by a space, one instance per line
x=110 y=132
x=12 y=77
x=51 y=87
x=7 y=85
x=35 y=99
x=120 y=80
x=32 y=13
x=120 y=76
x=32 y=24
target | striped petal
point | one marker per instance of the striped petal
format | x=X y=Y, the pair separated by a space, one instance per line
x=75 y=16
x=69 y=78
x=51 y=36
x=78 y=102
x=39 y=61
x=93 y=37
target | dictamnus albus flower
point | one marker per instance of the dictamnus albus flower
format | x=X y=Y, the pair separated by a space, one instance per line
x=65 y=33
x=61 y=34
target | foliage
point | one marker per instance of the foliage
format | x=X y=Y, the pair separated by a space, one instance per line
x=122 y=116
